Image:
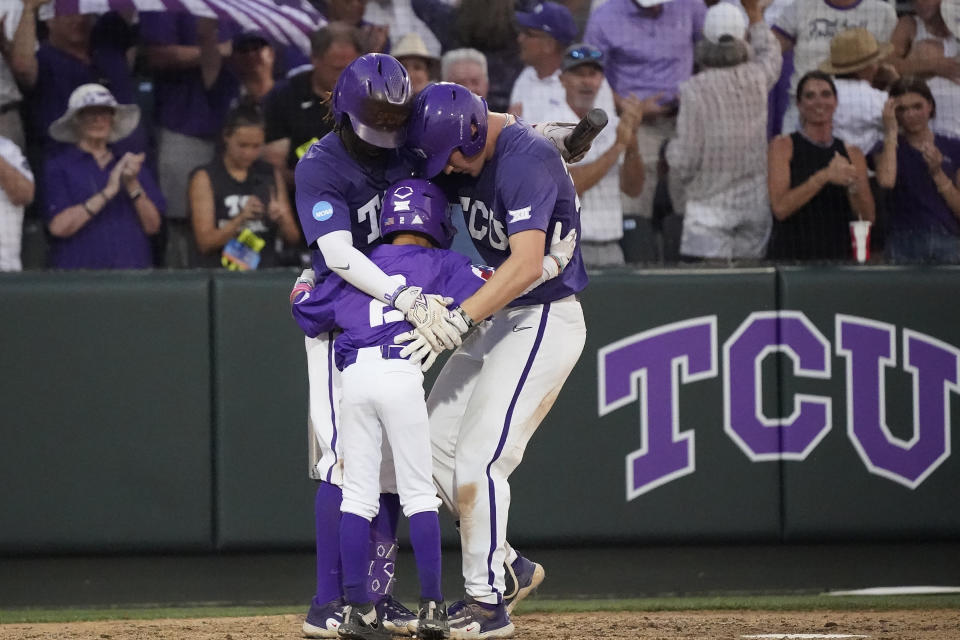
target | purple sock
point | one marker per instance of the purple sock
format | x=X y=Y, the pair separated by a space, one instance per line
x=354 y=550
x=425 y=537
x=383 y=547
x=326 y=509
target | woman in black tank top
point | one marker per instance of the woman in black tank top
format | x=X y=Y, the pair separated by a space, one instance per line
x=237 y=195
x=817 y=183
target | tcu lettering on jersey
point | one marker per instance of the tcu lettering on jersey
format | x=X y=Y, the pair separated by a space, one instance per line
x=482 y=225
x=369 y=214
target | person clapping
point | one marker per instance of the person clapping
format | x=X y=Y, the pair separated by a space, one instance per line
x=100 y=207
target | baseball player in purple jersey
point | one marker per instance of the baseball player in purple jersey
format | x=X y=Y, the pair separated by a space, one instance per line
x=339 y=186
x=383 y=394
x=340 y=182
x=513 y=190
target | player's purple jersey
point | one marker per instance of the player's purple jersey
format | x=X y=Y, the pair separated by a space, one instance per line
x=336 y=193
x=524 y=186
x=367 y=322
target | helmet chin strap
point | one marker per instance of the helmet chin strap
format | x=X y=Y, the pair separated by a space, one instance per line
x=358 y=149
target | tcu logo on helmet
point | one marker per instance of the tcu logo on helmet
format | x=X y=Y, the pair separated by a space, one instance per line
x=650 y=361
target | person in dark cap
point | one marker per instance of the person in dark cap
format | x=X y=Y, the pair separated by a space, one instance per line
x=545 y=32
x=253 y=61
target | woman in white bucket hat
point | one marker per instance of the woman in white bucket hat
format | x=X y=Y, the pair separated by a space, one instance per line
x=99 y=208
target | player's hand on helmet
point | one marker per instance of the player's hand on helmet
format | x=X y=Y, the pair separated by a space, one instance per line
x=303 y=286
x=426 y=313
x=557 y=132
x=417 y=349
x=561 y=249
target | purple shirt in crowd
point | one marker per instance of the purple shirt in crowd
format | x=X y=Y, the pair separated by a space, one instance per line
x=646 y=56
x=524 y=186
x=59 y=73
x=335 y=193
x=918 y=204
x=444 y=272
x=183 y=104
x=114 y=238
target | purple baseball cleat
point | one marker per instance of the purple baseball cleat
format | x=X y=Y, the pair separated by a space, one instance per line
x=522 y=578
x=476 y=621
x=323 y=620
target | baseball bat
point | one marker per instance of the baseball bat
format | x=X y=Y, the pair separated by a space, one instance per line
x=586 y=130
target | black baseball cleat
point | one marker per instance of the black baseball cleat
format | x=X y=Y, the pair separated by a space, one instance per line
x=432 y=623
x=361 y=622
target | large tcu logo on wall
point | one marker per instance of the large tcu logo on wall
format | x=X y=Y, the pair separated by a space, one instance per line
x=658 y=361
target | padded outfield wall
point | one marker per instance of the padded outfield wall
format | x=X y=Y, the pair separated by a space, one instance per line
x=166 y=412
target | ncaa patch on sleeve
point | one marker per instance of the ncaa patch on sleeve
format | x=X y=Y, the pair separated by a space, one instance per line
x=323 y=210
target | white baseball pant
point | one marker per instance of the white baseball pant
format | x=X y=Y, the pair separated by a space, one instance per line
x=486 y=404
x=382 y=396
x=325 y=419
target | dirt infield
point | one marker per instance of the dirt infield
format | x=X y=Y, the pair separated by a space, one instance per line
x=700 y=625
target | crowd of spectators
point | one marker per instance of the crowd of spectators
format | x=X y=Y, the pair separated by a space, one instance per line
x=740 y=130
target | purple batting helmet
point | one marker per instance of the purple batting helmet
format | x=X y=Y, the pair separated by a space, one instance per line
x=419 y=206
x=446 y=117
x=374 y=92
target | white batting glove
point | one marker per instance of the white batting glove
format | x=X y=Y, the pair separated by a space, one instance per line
x=557 y=132
x=459 y=320
x=303 y=286
x=426 y=313
x=417 y=349
x=561 y=252
x=561 y=249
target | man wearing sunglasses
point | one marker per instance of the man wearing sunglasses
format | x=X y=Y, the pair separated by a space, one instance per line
x=544 y=32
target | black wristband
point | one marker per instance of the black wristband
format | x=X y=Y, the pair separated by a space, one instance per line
x=466 y=317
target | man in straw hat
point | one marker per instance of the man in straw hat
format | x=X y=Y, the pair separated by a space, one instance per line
x=857 y=60
x=99 y=208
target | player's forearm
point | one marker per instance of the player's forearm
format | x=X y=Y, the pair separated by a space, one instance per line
x=357 y=269
x=510 y=280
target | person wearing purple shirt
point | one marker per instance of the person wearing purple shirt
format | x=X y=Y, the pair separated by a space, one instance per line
x=99 y=206
x=648 y=47
x=193 y=91
x=80 y=49
x=383 y=395
x=923 y=169
x=513 y=190
x=340 y=182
